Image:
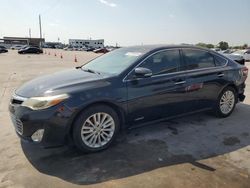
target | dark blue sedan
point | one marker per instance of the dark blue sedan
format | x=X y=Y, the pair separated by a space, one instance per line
x=125 y=88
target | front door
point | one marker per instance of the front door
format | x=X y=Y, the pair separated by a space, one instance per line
x=162 y=94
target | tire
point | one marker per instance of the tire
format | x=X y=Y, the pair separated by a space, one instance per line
x=85 y=122
x=228 y=108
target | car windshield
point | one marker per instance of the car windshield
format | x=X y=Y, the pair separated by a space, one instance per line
x=115 y=62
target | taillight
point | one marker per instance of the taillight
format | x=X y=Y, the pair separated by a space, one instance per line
x=244 y=71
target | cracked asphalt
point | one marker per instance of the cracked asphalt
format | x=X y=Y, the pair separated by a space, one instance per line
x=194 y=151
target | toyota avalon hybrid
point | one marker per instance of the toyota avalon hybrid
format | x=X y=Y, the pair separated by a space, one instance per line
x=125 y=88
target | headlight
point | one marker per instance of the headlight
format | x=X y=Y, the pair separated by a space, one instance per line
x=39 y=103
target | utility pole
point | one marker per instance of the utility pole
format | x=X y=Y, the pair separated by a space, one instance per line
x=40 y=25
x=29 y=36
x=29 y=32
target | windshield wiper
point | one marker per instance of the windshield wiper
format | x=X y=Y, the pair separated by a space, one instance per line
x=91 y=71
x=78 y=67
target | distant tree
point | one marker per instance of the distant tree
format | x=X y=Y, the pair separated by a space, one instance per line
x=237 y=47
x=245 y=46
x=204 y=45
x=210 y=46
x=223 y=45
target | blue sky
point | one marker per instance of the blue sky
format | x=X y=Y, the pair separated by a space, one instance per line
x=130 y=22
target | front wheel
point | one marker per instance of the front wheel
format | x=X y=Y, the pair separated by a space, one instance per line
x=95 y=128
x=226 y=102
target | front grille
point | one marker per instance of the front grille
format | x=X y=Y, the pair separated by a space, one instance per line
x=18 y=124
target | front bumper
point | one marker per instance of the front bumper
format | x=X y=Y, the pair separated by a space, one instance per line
x=55 y=121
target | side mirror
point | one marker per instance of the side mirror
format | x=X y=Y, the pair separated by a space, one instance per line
x=141 y=72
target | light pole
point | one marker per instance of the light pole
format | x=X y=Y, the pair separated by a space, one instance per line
x=40 y=25
x=29 y=36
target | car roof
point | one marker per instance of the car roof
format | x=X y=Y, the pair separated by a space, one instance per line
x=149 y=48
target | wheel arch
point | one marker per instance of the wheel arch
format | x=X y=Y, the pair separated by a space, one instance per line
x=230 y=85
x=120 y=112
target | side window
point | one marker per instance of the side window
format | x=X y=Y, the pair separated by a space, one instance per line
x=219 y=61
x=197 y=59
x=163 y=62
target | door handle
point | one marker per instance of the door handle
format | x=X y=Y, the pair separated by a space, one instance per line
x=179 y=83
x=220 y=74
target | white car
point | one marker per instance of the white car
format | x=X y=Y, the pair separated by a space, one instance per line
x=244 y=53
x=16 y=47
x=83 y=48
x=236 y=57
x=69 y=48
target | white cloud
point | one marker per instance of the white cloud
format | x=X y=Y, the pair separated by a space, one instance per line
x=107 y=3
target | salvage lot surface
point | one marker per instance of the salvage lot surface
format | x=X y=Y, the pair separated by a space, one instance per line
x=194 y=151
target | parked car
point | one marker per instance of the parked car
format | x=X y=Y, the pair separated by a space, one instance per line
x=90 y=49
x=69 y=48
x=228 y=51
x=101 y=50
x=30 y=50
x=217 y=50
x=236 y=57
x=83 y=48
x=125 y=88
x=16 y=47
x=25 y=46
x=3 y=49
x=244 y=53
x=59 y=46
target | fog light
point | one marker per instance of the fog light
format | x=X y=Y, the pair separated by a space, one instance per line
x=38 y=135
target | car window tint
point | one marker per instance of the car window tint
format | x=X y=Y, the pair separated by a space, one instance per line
x=219 y=61
x=163 y=62
x=197 y=59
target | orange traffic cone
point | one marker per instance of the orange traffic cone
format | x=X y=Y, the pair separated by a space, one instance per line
x=75 y=59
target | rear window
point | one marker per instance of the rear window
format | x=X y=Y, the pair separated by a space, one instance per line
x=197 y=59
x=220 y=61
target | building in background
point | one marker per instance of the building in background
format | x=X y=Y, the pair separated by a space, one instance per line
x=88 y=43
x=9 y=41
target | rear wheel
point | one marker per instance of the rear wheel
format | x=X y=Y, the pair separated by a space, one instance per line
x=226 y=102
x=96 y=128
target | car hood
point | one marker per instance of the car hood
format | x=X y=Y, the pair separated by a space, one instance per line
x=58 y=83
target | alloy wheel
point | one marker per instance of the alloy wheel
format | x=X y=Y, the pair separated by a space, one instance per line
x=97 y=130
x=227 y=102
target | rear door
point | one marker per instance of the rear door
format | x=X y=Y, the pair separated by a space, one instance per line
x=160 y=95
x=204 y=77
